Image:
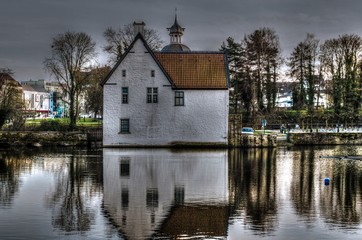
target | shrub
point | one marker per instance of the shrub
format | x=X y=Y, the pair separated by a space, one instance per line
x=51 y=125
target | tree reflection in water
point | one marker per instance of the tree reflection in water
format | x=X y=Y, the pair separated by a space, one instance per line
x=12 y=163
x=302 y=190
x=78 y=179
x=9 y=181
x=252 y=175
x=262 y=193
x=345 y=200
x=337 y=203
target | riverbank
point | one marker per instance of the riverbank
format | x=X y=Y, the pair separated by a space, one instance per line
x=325 y=138
x=271 y=139
x=42 y=138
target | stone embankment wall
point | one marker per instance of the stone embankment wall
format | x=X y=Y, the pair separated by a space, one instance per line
x=262 y=140
x=325 y=138
x=52 y=138
x=43 y=139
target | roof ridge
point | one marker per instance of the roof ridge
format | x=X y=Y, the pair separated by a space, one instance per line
x=192 y=52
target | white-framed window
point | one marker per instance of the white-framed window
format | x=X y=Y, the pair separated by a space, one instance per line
x=125 y=95
x=124 y=125
x=152 y=95
x=179 y=98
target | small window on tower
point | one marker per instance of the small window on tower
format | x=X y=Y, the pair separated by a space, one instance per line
x=125 y=95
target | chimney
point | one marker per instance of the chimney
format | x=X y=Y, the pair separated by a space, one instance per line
x=139 y=27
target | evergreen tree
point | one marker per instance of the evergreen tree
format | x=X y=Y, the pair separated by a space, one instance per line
x=263 y=56
x=302 y=65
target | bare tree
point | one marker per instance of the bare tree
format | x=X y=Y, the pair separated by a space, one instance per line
x=119 y=40
x=72 y=52
x=94 y=91
x=341 y=59
x=11 y=103
x=7 y=71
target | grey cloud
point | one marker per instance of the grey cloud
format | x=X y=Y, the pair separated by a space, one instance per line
x=27 y=26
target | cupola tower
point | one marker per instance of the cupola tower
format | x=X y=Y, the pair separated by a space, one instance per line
x=175 y=33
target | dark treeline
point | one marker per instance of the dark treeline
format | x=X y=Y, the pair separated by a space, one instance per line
x=333 y=66
x=255 y=65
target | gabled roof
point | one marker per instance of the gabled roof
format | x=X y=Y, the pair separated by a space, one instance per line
x=40 y=89
x=195 y=70
x=195 y=221
x=6 y=78
x=139 y=36
x=28 y=88
x=187 y=70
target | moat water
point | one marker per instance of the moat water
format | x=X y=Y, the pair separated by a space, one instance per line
x=65 y=193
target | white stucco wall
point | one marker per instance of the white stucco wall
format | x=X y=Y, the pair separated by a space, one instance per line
x=203 y=119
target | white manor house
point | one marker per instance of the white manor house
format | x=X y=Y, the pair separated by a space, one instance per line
x=170 y=97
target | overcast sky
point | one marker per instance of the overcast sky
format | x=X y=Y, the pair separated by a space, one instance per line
x=28 y=26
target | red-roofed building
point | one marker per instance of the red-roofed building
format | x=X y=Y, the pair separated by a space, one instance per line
x=173 y=97
x=8 y=85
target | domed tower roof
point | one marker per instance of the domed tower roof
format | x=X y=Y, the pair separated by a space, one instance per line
x=176 y=47
x=176 y=28
x=176 y=32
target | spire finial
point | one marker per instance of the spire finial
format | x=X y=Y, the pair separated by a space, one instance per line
x=175 y=15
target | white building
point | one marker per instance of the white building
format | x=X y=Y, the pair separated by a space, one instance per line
x=285 y=94
x=37 y=99
x=172 y=97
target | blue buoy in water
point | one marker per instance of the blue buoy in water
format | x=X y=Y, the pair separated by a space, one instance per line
x=326 y=181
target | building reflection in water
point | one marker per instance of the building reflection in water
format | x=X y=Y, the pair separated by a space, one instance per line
x=156 y=193
x=166 y=193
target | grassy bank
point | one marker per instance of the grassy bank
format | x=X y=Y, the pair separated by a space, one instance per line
x=60 y=124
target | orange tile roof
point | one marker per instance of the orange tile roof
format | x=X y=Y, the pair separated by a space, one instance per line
x=195 y=70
